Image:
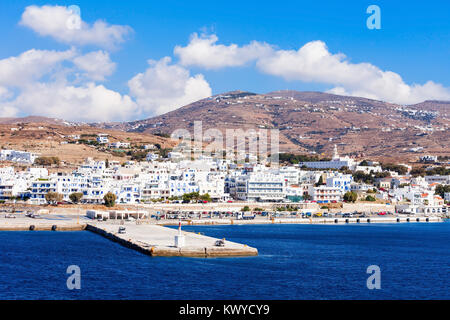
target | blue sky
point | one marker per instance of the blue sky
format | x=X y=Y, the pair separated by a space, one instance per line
x=413 y=42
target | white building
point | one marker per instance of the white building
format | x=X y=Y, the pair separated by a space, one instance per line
x=150 y=147
x=18 y=156
x=337 y=162
x=447 y=196
x=324 y=194
x=438 y=179
x=260 y=186
x=341 y=181
x=40 y=188
x=102 y=138
x=173 y=155
x=151 y=156
x=118 y=145
x=428 y=158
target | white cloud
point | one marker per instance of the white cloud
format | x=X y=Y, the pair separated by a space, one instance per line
x=31 y=65
x=88 y=103
x=40 y=86
x=65 y=26
x=164 y=87
x=8 y=111
x=311 y=63
x=204 y=52
x=4 y=93
x=96 y=65
x=5 y=110
x=314 y=63
x=59 y=84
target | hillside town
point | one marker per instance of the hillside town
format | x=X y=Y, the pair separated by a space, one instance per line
x=214 y=179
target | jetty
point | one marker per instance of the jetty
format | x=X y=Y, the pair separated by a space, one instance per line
x=150 y=239
x=155 y=240
x=28 y=224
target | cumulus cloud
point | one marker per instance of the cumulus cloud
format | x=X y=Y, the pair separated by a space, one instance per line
x=164 y=87
x=62 y=84
x=88 y=103
x=66 y=26
x=4 y=93
x=6 y=110
x=95 y=65
x=314 y=63
x=204 y=52
x=36 y=83
x=31 y=65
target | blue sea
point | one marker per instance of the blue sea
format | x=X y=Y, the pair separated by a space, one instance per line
x=294 y=262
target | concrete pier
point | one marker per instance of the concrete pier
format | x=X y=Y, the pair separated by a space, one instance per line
x=40 y=225
x=156 y=240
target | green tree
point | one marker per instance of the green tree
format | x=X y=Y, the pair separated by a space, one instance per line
x=364 y=163
x=53 y=197
x=442 y=189
x=320 y=182
x=75 y=197
x=350 y=196
x=205 y=197
x=246 y=208
x=139 y=155
x=110 y=199
x=47 y=161
x=191 y=196
x=370 y=198
x=395 y=167
x=306 y=196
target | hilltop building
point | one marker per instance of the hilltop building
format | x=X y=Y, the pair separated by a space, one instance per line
x=336 y=162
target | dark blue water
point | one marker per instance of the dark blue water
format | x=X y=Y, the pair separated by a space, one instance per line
x=295 y=262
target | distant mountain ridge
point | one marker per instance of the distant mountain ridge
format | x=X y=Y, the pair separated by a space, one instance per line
x=36 y=119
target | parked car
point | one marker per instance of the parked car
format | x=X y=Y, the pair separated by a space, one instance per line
x=347 y=215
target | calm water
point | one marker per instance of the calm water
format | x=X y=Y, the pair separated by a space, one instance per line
x=295 y=262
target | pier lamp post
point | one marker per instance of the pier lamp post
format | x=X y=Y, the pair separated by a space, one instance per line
x=179 y=238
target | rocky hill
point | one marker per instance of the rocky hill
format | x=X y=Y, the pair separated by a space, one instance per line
x=54 y=139
x=312 y=122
